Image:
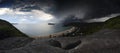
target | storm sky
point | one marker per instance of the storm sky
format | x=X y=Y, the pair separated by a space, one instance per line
x=88 y=8
x=42 y=10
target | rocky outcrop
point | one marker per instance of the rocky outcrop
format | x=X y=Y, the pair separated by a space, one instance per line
x=54 y=43
x=104 y=41
x=107 y=40
x=72 y=45
x=14 y=42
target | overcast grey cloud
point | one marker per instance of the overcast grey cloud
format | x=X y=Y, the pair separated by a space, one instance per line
x=88 y=9
x=83 y=9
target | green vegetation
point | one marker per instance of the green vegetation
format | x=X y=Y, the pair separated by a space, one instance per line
x=113 y=23
x=8 y=30
x=90 y=28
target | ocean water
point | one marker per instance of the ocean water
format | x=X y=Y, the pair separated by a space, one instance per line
x=40 y=29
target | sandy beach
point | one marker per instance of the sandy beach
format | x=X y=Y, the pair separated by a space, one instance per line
x=59 y=34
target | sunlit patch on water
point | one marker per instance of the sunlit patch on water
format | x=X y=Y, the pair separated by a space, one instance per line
x=42 y=29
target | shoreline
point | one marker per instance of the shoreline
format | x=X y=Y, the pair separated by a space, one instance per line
x=58 y=34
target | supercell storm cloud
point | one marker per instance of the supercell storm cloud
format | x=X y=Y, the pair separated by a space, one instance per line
x=83 y=9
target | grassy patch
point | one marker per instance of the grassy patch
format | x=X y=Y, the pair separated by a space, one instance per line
x=113 y=23
x=8 y=30
x=90 y=28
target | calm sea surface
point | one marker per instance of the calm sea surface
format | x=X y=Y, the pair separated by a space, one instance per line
x=42 y=29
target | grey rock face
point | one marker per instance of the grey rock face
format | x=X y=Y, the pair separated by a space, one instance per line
x=104 y=41
x=14 y=42
x=54 y=43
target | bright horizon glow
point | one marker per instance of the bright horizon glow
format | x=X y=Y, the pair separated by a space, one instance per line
x=24 y=17
x=42 y=15
x=103 y=19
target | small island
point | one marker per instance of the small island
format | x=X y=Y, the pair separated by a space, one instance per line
x=87 y=38
x=51 y=23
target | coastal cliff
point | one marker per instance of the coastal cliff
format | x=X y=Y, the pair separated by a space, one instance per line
x=106 y=39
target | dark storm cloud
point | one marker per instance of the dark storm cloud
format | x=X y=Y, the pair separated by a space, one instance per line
x=28 y=5
x=87 y=9
x=103 y=8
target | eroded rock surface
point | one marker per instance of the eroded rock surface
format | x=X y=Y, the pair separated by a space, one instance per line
x=104 y=41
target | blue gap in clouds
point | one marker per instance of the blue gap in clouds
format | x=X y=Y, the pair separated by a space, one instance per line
x=6 y=3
